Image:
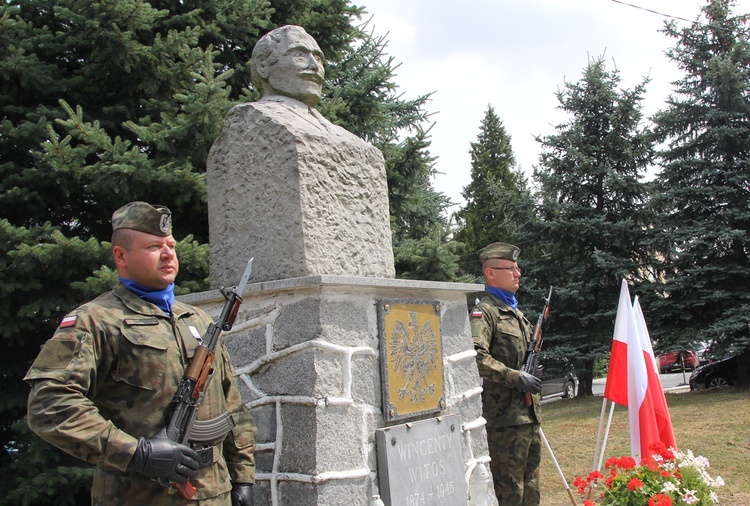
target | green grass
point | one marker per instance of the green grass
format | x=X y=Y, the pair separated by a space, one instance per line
x=714 y=424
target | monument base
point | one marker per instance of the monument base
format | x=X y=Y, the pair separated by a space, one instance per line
x=307 y=352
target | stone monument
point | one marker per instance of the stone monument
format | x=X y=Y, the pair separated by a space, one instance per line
x=360 y=384
x=286 y=186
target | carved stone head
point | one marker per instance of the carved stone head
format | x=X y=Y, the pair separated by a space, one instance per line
x=287 y=61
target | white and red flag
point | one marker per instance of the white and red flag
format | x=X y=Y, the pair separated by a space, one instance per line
x=633 y=380
x=616 y=387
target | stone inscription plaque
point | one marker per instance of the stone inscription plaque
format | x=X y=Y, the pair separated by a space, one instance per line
x=420 y=463
x=411 y=357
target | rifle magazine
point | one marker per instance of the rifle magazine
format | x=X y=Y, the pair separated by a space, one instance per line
x=213 y=429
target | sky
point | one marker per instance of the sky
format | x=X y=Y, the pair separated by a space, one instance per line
x=515 y=55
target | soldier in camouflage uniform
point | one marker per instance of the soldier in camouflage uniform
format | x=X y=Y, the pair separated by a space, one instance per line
x=501 y=335
x=100 y=387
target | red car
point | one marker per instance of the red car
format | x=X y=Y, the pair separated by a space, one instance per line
x=673 y=360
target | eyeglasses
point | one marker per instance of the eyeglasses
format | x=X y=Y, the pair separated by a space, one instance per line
x=517 y=269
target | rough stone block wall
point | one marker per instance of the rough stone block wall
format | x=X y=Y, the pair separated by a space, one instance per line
x=307 y=354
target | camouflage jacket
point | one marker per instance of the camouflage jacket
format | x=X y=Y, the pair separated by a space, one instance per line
x=106 y=378
x=501 y=337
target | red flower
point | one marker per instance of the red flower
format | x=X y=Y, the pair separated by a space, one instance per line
x=652 y=464
x=627 y=463
x=594 y=475
x=660 y=448
x=634 y=483
x=660 y=500
x=580 y=484
x=657 y=447
x=589 y=502
x=611 y=462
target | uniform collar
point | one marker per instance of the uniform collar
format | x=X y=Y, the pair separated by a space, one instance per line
x=506 y=297
x=138 y=305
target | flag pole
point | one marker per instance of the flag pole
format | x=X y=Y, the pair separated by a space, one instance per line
x=557 y=466
x=606 y=436
x=599 y=433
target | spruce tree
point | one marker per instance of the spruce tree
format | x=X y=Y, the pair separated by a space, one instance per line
x=702 y=191
x=98 y=104
x=498 y=203
x=592 y=217
x=360 y=96
x=102 y=103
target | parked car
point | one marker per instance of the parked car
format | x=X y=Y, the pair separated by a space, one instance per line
x=558 y=378
x=704 y=352
x=719 y=373
x=673 y=360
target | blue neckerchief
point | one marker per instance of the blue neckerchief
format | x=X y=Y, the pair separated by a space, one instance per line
x=504 y=295
x=162 y=298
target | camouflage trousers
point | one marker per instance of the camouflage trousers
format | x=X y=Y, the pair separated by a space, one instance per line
x=516 y=453
x=174 y=500
x=141 y=491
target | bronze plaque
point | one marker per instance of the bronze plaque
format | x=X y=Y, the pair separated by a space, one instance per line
x=411 y=358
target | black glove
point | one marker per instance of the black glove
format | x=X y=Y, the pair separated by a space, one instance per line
x=160 y=457
x=242 y=494
x=529 y=383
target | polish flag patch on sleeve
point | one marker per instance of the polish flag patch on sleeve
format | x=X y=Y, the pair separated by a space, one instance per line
x=68 y=321
x=477 y=313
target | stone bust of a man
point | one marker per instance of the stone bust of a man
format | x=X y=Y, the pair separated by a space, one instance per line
x=288 y=68
x=287 y=62
x=288 y=187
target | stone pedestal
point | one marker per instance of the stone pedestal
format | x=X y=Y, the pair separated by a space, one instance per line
x=307 y=352
x=301 y=195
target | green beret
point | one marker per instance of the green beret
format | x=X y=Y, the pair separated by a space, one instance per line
x=499 y=250
x=142 y=216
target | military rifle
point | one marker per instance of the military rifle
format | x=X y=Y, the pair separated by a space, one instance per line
x=535 y=345
x=190 y=392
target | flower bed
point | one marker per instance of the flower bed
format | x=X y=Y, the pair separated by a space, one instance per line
x=668 y=478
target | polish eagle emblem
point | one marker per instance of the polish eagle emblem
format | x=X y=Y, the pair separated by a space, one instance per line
x=414 y=352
